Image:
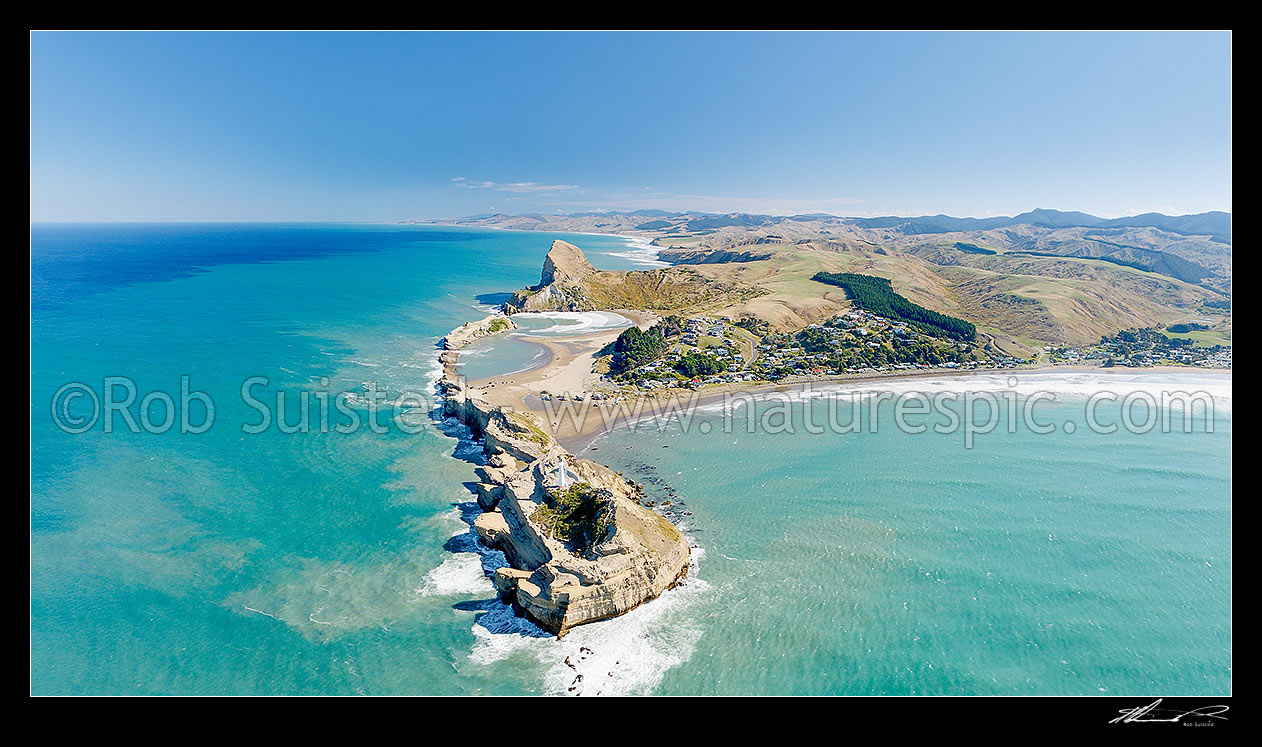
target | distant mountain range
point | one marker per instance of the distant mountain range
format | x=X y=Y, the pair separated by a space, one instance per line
x=1216 y=224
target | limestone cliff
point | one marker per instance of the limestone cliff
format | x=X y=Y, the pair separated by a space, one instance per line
x=565 y=264
x=560 y=287
x=635 y=557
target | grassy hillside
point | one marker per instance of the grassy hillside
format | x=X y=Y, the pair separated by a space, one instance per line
x=1024 y=285
x=666 y=289
x=1021 y=302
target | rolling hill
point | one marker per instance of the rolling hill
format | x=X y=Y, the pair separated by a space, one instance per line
x=1044 y=277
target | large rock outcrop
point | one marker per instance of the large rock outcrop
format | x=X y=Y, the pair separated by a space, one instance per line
x=565 y=264
x=570 y=283
x=636 y=556
x=561 y=284
x=470 y=331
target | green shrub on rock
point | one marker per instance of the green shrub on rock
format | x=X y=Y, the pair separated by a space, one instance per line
x=578 y=516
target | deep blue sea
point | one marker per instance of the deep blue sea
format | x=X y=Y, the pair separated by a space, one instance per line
x=323 y=562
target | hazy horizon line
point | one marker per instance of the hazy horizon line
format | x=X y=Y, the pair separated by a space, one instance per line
x=606 y=212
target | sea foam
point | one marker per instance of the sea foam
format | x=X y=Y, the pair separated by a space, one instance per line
x=459 y=574
x=641 y=252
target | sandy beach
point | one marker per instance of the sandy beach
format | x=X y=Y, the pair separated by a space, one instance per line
x=580 y=439
x=567 y=370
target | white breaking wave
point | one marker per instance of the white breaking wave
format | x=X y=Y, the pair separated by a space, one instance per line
x=640 y=251
x=455 y=521
x=1064 y=385
x=626 y=655
x=467 y=449
x=433 y=375
x=459 y=574
x=571 y=322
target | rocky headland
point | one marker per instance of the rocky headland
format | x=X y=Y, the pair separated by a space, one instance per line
x=569 y=282
x=561 y=284
x=580 y=545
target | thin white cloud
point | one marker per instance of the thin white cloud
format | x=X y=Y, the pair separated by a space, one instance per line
x=516 y=187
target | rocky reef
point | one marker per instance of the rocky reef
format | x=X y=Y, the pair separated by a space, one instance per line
x=470 y=331
x=625 y=555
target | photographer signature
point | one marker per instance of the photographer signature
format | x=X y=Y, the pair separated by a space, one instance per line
x=1152 y=714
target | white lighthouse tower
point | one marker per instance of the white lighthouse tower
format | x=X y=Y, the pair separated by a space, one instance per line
x=561 y=472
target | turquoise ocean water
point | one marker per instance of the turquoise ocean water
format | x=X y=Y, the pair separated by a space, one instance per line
x=329 y=563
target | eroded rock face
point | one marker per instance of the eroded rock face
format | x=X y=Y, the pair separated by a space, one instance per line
x=489 y=495
x=506 y=433
x=565 y=263
x=640 y=555
x=685 y=256
x=560 y=285
x=506 y=580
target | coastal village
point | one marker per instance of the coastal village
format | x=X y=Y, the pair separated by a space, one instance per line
x=1176 y=345
x=717 y=350
x=710 y=351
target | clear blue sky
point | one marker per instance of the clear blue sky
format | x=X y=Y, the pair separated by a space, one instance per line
x=389 y=126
